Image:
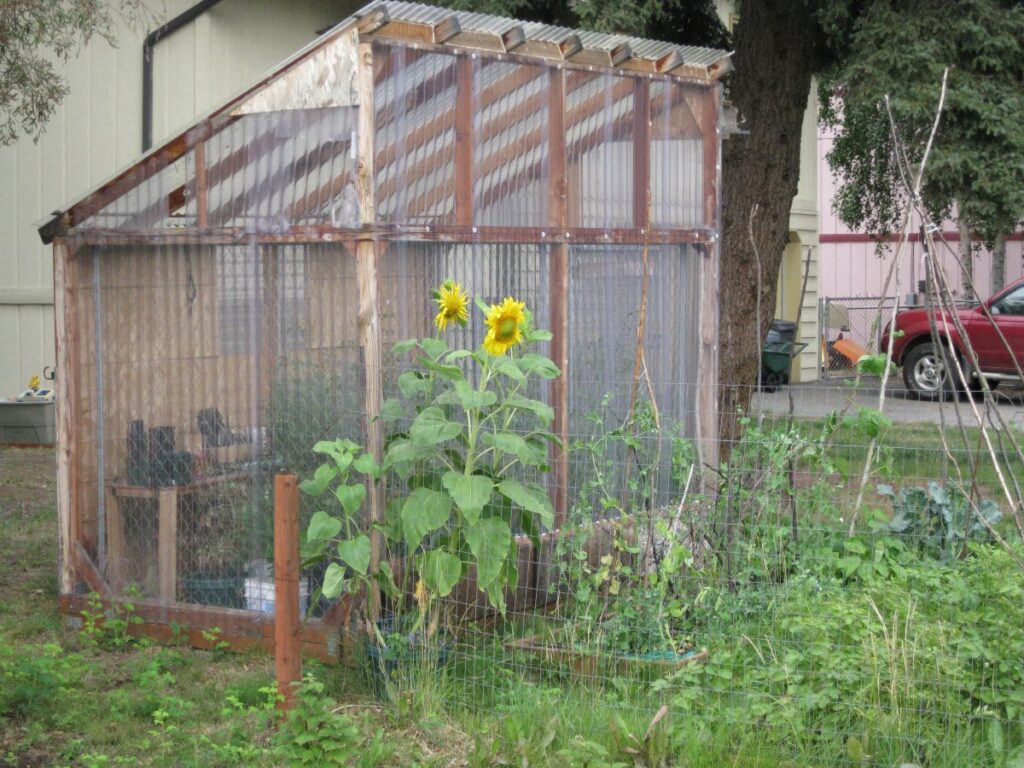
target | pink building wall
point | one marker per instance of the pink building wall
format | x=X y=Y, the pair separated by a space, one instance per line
x=850 y=265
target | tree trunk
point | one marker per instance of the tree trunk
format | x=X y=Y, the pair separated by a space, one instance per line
x=777 y=50
x=966 y=257
x=998 y=263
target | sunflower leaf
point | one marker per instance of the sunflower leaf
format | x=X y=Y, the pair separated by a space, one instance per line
x=488 y=541
x=543 y=411
x=412 y=383
x=392 y=410
x=424 y=512
x=532 y=498
x=355 y=553
x=505 y=366
x=440 y=571
x=334 y=580
x=322 y=526
x=433 y=427
x=434 y=347
x=531 y=363
x=510 y=442
x=407 y=345
x=470 y=492
x=471 y=398
x=452 y=372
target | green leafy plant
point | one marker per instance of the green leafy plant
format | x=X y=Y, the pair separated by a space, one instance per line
x=109 y=628
x=314 y=734
x=466 y=442
x=940 y=520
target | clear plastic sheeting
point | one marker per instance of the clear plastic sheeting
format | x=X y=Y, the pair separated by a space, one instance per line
x=414 y=104
x=510 y=132
x=677 y=152
x=599 y=122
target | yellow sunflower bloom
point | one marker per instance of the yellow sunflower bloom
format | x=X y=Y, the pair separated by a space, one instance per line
x=452 y=305
x=505 y=326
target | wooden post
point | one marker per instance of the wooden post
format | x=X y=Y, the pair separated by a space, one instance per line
x=641 y=153
x=368 y=319
x=287 y=649
x=558 y=291
x=707 y=367
x=64 y=292
x=202 y=197
x=464 y=141
x=167 y=544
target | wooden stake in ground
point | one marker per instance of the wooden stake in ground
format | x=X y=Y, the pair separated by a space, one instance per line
x=287 y=655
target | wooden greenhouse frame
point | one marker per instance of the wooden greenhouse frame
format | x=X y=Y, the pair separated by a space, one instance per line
x=470 y=170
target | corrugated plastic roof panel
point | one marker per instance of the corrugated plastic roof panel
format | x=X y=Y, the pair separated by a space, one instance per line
x=653 y=50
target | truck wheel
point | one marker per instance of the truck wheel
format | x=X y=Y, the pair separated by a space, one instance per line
x=925 y=372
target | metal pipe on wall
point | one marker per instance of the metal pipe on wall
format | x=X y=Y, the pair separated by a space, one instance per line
x=148 y=45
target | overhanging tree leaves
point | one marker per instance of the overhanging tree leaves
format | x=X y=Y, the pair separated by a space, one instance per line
x=977 y=165
x=36 y=36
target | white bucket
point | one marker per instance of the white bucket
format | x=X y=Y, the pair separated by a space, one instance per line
x=259 y=595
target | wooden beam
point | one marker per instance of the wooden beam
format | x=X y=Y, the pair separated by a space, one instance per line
x=641 y=154
x=90 y=574
x=558 y=291
x=241 y=630
x=707 y=367
x=202 y=190
x=305 y=234
x=368 y=319
x=64 y=300
x=365 y=181
x=287 y=648
x=464 y=114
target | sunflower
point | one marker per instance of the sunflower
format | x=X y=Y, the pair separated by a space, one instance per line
x=452 y=304
x=505 y=323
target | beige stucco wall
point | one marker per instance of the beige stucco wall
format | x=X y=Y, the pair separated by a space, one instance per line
x=97 y=130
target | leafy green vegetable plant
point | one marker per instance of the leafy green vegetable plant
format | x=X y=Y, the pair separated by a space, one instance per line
x=940 y=520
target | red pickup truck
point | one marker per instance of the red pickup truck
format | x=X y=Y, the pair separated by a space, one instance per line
x=924 y=371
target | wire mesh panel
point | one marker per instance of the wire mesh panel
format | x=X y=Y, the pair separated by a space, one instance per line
x=850 y=327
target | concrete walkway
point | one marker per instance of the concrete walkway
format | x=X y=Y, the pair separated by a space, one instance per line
x=819 y=398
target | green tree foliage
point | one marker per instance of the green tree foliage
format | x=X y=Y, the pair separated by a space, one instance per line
x=901 y=49
x=36 y=38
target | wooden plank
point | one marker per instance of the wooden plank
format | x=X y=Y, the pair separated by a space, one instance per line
x=707 y=366
x=287 y=654
x=367 y=254
x=90 y=574
x=370 y=343
x=241 y=630
x=558 y=293
x=167 y=544
x=641 y=154
x=310 y=235
x=63 y=303
x=464 y=115
x=365 y=145
x=202 y=190
x=117 y=551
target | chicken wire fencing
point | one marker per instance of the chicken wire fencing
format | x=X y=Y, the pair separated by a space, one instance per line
x=850 y=327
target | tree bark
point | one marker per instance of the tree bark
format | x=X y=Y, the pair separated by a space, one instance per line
x=966 y=255
x=998 y=263
x=778 y=48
